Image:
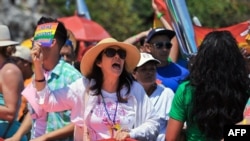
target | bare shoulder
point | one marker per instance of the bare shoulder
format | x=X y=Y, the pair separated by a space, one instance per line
x=10 y=70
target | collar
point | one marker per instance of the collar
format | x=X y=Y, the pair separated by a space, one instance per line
x=57 y=69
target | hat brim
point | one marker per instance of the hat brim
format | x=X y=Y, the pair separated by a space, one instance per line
x=8 y=43
x=169 y=33
x=131 y=60
x=148 y=60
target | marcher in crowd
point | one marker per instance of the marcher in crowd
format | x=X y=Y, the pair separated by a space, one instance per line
x=174 y=51
x=106 y=102
x=160 y=96
x=67 y=52
x=11 y=86
x=158 y=44
x=214 y=94
x=141 y=36
x=51 y=125
x=22 y=58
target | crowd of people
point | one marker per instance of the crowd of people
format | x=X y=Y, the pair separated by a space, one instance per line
x=121 y=91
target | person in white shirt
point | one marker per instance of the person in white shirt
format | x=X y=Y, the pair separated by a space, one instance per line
x=106 y=103
x=160 y=96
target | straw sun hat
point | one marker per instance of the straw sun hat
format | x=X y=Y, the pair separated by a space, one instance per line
x=131 y=60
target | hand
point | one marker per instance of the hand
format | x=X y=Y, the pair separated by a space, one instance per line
x=121 y=135
x=244 y=52
x=154 y=6
x=36 y=52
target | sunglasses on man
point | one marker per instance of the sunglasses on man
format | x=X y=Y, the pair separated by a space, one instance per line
x=111 y=52
x=160 y=45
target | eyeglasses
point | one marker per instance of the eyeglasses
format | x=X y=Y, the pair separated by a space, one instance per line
x=110 y=52
x=160 y=45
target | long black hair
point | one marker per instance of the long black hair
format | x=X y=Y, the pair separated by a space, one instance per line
x=220 y=80
x=125 y=79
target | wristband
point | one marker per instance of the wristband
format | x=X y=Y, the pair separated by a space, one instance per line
x=159 y=15
x=40 y=80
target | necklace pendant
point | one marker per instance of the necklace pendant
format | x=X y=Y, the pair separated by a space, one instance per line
x=116 y=127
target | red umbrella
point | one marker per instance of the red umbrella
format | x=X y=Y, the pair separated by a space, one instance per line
x=84 y=29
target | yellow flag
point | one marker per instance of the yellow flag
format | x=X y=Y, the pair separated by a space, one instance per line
x=157 y=22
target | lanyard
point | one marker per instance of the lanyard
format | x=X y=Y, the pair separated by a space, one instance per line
x=113 y=125
x=108 y=112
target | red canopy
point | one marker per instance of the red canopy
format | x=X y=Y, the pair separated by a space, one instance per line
x=84 y=29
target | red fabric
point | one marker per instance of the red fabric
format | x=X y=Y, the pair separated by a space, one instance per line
x=80 y=51
x=236 y=30
x=84 y=29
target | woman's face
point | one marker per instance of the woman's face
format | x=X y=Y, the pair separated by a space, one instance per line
x=112 y=62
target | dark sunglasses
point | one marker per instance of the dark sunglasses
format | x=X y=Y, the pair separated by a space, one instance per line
x=160 y=45
x=110 y=52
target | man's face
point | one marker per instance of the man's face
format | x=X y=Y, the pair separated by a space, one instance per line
x=160 y=46
x=67 y=54
x=146 y=74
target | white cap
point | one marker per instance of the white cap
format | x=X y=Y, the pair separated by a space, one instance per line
x=146 y=57
x=23 y=53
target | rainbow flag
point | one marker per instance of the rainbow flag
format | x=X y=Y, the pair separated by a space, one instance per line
x=45 y=34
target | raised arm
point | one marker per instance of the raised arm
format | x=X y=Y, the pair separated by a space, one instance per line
x=37 y=58
x=58 y=100
x=174 y=52
x=136 y=38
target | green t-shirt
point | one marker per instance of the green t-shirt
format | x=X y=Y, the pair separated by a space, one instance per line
x=181 y=108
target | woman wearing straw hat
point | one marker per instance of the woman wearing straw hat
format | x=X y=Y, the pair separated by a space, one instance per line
x=106 y=103
x=11 y=85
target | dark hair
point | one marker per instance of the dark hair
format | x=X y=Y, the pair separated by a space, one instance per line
x=220 y=80
x=125 y=79
x=69 y=43
x=6 y=51
x=142 y=41
x=61 y=32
